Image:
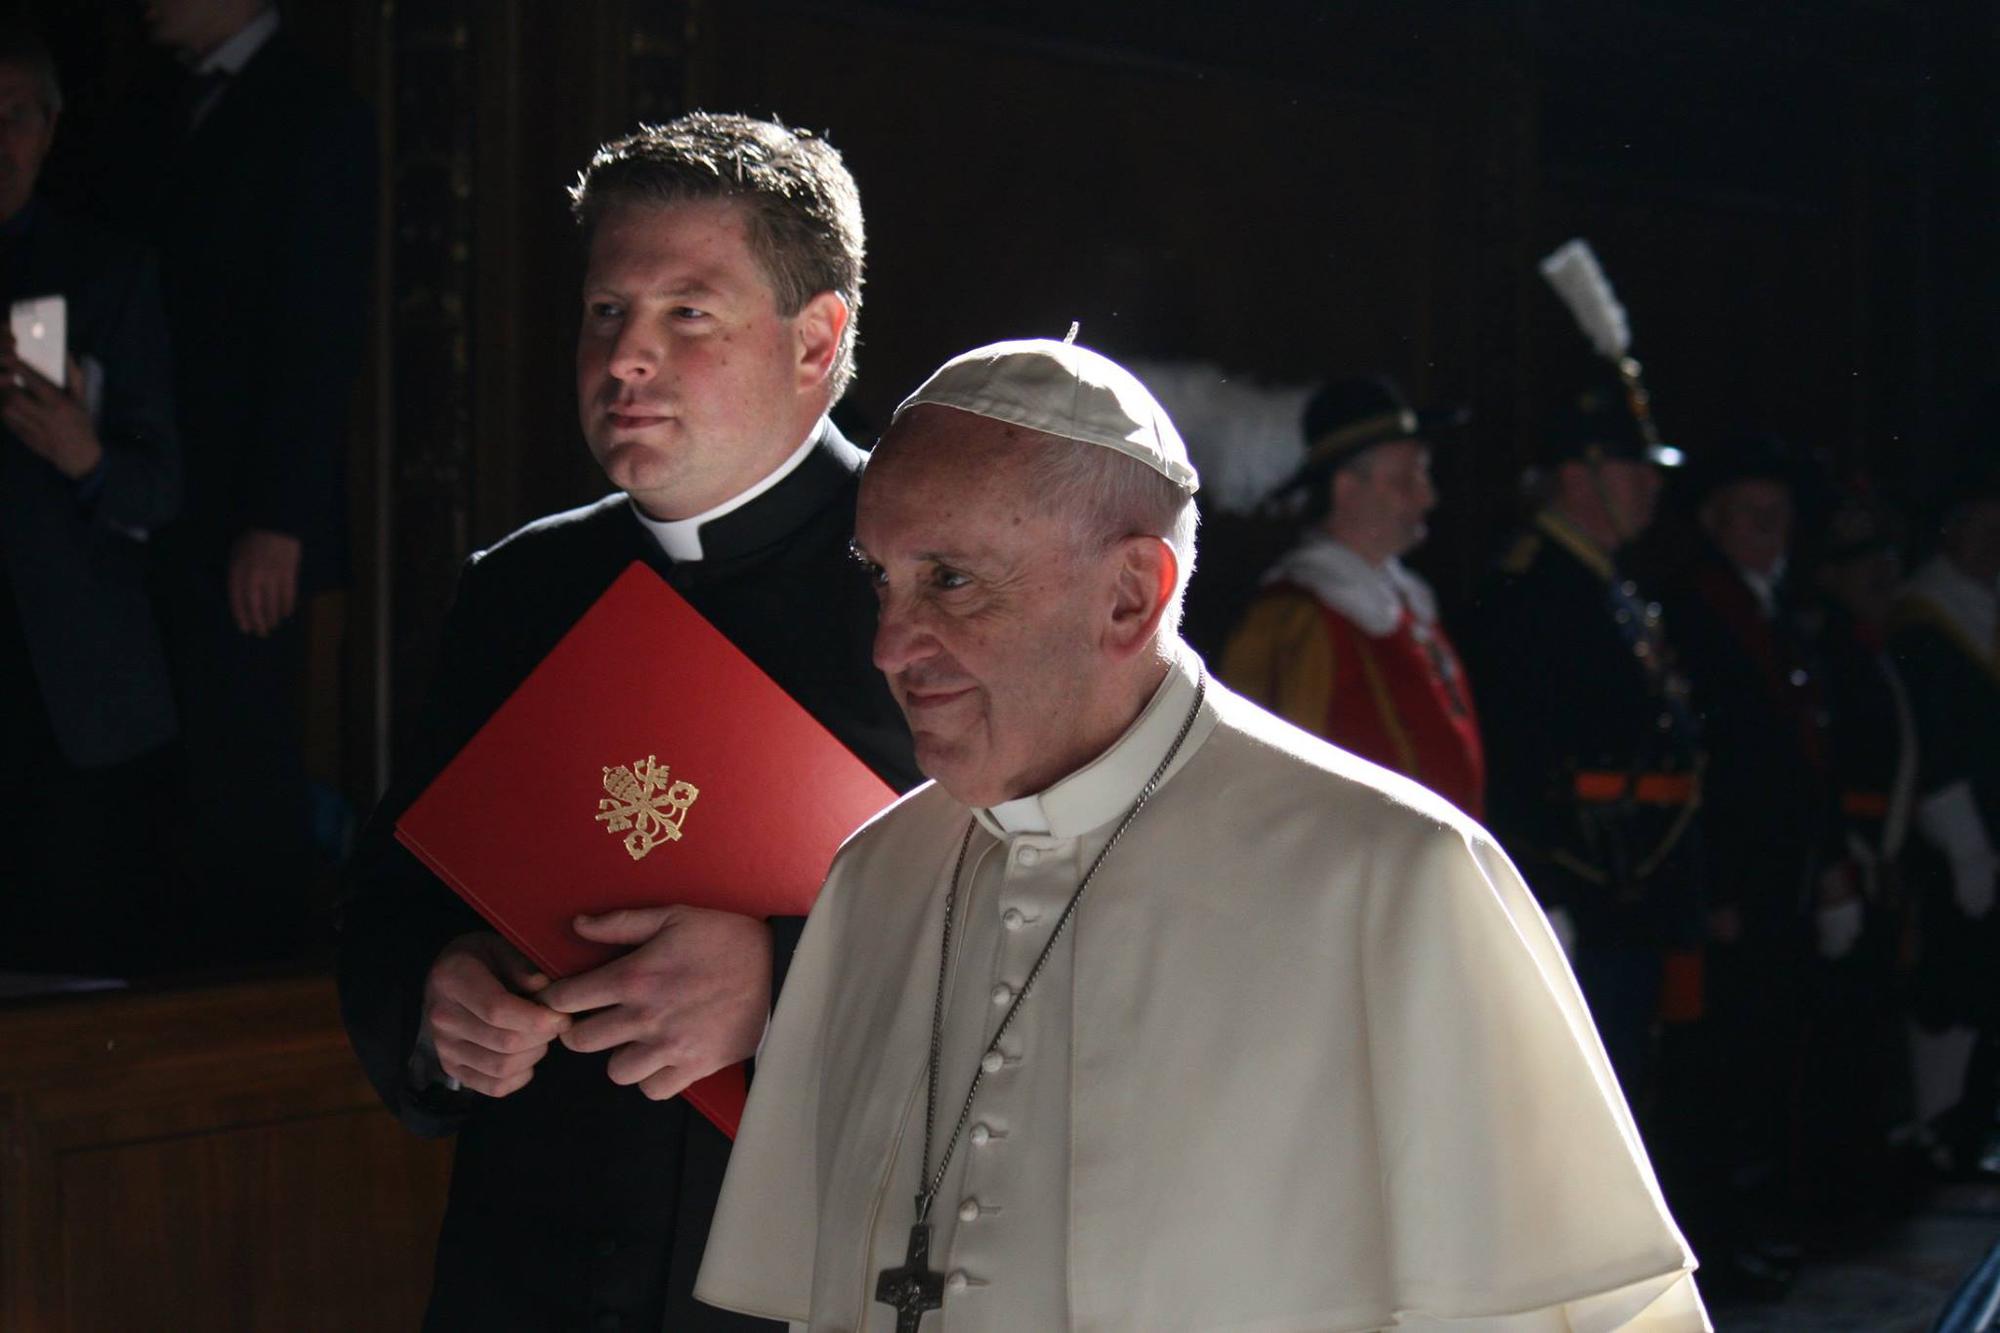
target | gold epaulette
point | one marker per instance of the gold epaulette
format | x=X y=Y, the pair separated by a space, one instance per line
x=1916 y=612
x=1522 y=553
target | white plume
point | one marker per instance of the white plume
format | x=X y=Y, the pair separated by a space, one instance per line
x=1579 y=280
x=1245 y=438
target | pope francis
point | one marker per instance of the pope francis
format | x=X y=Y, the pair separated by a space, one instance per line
x=1151 y=1011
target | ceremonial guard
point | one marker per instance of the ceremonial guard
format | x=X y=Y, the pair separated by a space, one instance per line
x=1344 y=640
x=1864 y=929
x=1768 y=830
x=1947 y=644
x=1595 y=764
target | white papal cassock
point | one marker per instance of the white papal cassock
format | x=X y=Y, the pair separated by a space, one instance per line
x=1309 y=1059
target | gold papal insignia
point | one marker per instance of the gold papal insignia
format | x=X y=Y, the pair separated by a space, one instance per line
x=643 y=801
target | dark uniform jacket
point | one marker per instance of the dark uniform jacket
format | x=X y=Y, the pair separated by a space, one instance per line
x=1769 y=823
x=83 y=628
x=576 y=1202
x=1592 y=751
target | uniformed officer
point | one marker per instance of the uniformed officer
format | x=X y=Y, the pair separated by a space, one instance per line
x=1769 y=838
x=1859 y=1064
x=1946 y=642
x=1594 y=762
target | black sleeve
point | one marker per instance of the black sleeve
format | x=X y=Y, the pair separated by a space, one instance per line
x=785 y=933
x=141 y=485
x=1947 y=749
x=1519 y=676
x=395 y=916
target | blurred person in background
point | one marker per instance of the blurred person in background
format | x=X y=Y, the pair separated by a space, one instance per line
x=89 y=468
x=1769 y=802
x=1344 y=640
x=1857 y=1070
x=1593 y=754
x=1946 y=643
x=252 y=171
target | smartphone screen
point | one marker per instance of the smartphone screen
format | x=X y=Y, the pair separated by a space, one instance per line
x=41 y=334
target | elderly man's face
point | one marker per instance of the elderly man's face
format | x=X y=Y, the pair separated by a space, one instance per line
x=26 y=130
x=991 y=619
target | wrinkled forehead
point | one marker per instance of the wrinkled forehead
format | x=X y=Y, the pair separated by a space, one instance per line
x=940 y=474
x=931 y=439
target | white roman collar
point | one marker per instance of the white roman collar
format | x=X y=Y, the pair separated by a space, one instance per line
x=1104 y=789
x=230 y=57
x=1764 y=587
x=1371 y=596
x=680 y=538
x=1972 y=606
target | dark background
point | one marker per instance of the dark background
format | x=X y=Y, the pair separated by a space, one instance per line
x=1794 y=198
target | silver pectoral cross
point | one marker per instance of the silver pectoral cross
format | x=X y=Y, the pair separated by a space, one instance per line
x=912 y=1290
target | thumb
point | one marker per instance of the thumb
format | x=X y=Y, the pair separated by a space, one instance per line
x=631 y=925
x=516 y=970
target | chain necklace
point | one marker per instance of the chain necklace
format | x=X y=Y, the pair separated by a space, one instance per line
x=913 y=1288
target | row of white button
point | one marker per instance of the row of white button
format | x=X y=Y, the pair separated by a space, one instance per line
x=971 y=1210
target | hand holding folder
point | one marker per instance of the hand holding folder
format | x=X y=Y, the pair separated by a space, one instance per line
x=646 y=762
x=692 y=991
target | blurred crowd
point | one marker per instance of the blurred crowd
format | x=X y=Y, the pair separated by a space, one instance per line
x=186 y=327
x=1752 y=775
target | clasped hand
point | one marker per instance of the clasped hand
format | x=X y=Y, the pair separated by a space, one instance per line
x=690 y=998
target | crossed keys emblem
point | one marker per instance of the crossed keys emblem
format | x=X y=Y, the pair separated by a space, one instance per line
x=643 y=801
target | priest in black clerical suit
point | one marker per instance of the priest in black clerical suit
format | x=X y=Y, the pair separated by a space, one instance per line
x=708 y=356
x=630 y=1181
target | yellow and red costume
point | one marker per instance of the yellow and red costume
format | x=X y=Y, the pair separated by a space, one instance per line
x=1354 y=652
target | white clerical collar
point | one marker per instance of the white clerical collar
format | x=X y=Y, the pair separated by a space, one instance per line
x=1764 y=587
x=1372 y=596
x=1104 y=789
x=680 y=538
x=1972 y=607
x=234 y=54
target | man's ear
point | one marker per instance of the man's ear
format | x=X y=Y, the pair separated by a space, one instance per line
x=1142 y=590
x=816 y=331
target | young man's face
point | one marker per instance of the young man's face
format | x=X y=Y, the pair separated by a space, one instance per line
x=26 y=131
x=691 y=387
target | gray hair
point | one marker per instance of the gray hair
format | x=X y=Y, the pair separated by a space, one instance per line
x=1109 y=496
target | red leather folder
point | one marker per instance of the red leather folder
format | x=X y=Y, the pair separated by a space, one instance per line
x=645 y=762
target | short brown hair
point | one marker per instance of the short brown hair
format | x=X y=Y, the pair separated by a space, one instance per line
x=803 y=210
